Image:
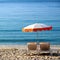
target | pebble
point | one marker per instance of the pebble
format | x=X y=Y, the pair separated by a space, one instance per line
x=16 y=54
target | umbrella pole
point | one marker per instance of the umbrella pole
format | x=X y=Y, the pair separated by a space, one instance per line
x=37 y=36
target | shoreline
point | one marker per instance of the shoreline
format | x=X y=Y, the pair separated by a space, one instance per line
x=24 y=46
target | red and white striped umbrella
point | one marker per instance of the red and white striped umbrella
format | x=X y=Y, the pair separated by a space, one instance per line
x=36 y=27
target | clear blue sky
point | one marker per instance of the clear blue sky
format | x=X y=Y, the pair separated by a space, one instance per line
x=29 y=0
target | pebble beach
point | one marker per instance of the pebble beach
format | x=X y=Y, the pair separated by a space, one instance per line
x=18 y=52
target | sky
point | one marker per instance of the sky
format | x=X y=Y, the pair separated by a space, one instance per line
x=29 y=0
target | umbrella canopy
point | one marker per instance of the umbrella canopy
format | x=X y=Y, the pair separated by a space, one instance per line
x=36 y=27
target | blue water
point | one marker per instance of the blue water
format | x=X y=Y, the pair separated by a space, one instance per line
x=15 y=16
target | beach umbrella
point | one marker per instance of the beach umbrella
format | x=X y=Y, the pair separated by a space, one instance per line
x=36 y=28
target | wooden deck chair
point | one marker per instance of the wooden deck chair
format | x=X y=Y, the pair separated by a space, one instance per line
x=32 y=48
x=44 y=47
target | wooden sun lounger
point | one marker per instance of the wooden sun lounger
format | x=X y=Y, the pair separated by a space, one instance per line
x=32 y=48
x=44 y=47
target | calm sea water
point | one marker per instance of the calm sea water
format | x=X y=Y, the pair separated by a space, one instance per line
x=15 y=16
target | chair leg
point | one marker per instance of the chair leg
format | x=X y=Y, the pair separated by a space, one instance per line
x=57 y=52
x=51 y=53
x=28 y=52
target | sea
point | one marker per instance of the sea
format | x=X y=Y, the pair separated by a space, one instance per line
x=15 y=16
